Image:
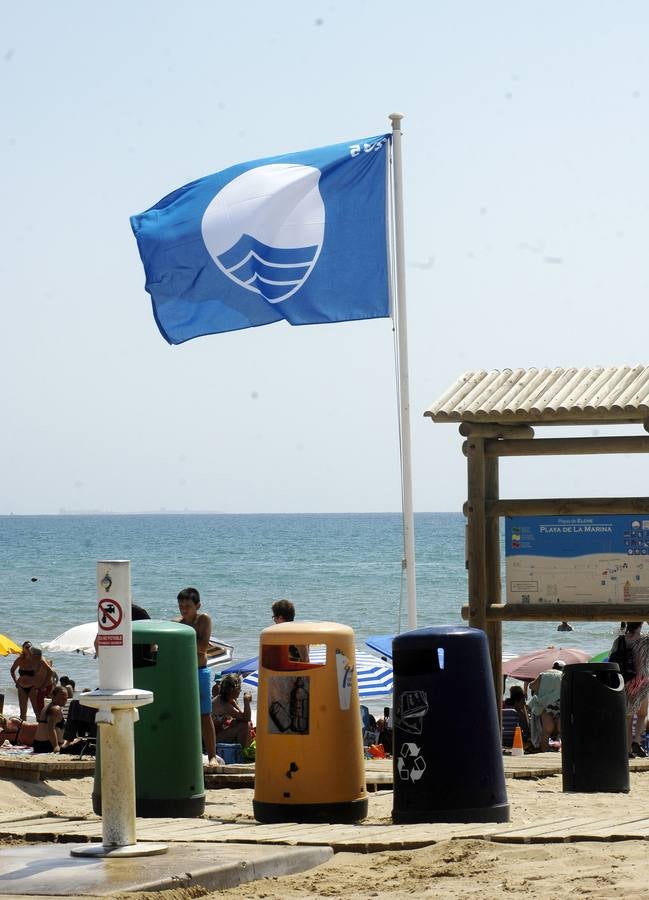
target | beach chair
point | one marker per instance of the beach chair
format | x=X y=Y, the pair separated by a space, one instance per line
x=510 y=721
x=80 y=726
x=370 y=735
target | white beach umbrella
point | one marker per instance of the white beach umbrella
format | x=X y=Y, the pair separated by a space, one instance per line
x=80 y=639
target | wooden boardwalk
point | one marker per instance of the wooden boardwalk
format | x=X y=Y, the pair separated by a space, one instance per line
x=358 y=838
x=352 y=838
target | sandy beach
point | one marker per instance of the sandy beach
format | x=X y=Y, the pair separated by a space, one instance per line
x=454 y=868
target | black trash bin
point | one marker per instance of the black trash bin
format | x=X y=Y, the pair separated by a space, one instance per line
x=448 y=764
x=593 y=728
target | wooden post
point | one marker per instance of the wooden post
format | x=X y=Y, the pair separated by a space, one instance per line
x=475 y=510
x=494 y=587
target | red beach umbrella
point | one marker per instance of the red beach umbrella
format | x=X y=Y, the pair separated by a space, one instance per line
x=528 y=665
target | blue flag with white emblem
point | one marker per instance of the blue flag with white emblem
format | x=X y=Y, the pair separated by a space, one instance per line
x=301 y=237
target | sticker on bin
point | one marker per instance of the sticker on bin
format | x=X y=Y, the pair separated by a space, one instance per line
x=288 y=704
x=412 y=706
x=345 y=672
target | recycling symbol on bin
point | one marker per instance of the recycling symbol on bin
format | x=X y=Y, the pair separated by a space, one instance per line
x=410 y=765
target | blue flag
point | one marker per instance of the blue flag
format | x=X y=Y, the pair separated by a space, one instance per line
x=301 y=237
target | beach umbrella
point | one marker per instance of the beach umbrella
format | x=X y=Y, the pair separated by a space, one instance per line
x=245 y=667
x=528 y=665
x=7 y=646
x=600 y=657
x=80 y=639
x=374 y=675
x=381 y=643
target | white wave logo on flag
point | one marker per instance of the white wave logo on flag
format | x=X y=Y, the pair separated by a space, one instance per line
x=265 y=228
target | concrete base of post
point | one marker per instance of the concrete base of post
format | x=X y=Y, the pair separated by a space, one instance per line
x=103 y=852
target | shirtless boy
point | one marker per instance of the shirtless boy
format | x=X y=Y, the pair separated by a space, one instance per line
x=189 y=602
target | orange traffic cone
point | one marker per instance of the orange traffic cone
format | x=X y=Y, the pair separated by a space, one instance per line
x=517 y=743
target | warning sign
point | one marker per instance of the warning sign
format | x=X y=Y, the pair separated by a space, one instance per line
x=109 y=615
x=110 y=640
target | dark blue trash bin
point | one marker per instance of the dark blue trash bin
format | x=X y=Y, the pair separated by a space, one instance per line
x=448 y=764
x=594 y=755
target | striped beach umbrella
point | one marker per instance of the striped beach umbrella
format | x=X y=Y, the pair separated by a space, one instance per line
x=374 y=675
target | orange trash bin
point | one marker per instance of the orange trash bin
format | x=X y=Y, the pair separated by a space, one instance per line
x=309 y=761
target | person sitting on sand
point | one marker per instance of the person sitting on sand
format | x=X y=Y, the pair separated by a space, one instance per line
x=545 y=705
x=516 y=700
x=49 y=730
x=17 y=732
x=231 y=723
x=68 y=684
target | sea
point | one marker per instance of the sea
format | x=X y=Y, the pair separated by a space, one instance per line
x=343 y=568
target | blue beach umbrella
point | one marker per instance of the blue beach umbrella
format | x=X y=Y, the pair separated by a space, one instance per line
x=245 y=667
x=381 y=643
x=374 y=675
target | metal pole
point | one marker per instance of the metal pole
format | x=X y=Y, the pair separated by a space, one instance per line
x=404 y=390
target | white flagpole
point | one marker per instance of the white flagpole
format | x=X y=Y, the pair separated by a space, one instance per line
x=402 y=365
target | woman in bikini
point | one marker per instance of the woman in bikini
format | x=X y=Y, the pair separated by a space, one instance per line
x=22 y=672
x=17 y=732
x=49 y=730
x=231 y=723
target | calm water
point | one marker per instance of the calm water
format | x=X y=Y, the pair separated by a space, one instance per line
x=344 y=568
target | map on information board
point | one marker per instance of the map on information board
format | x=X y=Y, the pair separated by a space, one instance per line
x=577 y=559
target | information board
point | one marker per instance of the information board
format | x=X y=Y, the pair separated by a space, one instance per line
x=577 y=559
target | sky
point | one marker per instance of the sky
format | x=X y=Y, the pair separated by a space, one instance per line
x=526 y=202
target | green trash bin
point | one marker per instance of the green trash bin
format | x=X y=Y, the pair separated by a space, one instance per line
x=168 y=745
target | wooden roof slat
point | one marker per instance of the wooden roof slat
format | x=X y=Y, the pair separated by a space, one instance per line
x=633 y=396
x=580 y=387
x=490 y=381
x=565 y=398
x=608 y=390
x=499 y=387
x=592 y=391
x=463 y=386
x=543 y=401
x=632 y=390
x=520 y=393
x=619 y=381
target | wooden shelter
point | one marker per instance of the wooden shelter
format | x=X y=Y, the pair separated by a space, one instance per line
x=497 y=412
